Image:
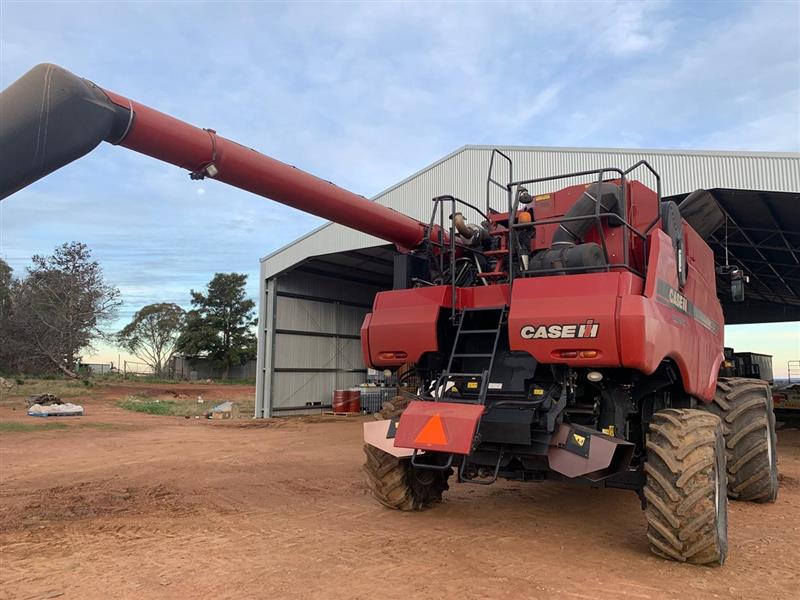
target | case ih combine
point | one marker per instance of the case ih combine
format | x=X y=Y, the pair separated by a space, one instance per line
x=575 y=334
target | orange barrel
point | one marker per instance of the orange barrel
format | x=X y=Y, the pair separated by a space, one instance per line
x=354 y=400
x=341 y=401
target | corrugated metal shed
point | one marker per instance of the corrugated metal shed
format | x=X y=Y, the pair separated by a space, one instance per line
x=315 y=291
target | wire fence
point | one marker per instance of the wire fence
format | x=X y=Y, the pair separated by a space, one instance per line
x=190 y=369
x=134 y=370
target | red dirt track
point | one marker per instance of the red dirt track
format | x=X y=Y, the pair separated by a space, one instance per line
x=127 y=505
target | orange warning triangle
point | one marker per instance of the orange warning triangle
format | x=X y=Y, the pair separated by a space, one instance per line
x=433 y=432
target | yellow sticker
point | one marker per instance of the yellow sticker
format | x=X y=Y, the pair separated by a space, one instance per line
x=472 y=385
x=579 y=439
x=454 y=389
x=542 y=197
x=538 y=392
x=610 y=430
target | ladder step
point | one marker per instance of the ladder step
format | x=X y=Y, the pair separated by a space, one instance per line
x=472 y=355
x=471 y=331
x=495 y=252
x=478 y=375
x=493 y=274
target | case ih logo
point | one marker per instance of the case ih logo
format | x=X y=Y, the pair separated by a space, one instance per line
x=677 y=299
x=553 y=332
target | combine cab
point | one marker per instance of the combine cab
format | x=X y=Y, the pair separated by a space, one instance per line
x=572 y=334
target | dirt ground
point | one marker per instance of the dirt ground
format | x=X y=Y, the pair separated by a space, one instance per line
x=125 y=505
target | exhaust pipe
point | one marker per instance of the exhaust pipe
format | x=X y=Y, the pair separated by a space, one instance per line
x=50 y=117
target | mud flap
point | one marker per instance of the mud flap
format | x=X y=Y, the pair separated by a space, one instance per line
x=380 y=435
x=438 y=426
x=581 y=452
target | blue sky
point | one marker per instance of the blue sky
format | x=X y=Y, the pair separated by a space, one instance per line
x=366 y=94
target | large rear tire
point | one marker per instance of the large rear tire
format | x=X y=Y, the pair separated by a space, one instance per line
x=393 y=408
x=748 y=420
x=394 y=481
x=397 y=484
x=687 y=510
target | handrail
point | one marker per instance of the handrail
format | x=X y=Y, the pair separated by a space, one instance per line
x=513 y=201
x=450 y=246
x=438 y=203
x=489 y=178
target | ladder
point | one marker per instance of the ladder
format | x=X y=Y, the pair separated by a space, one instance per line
x=475 y=344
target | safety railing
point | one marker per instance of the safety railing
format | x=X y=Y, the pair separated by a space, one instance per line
x=597 y=217
x=447 y=247
x=490 y=181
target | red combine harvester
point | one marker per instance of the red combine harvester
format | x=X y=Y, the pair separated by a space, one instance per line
x=575 y=334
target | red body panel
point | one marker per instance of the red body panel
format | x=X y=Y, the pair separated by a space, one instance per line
x=686 y=326
x=438 y=426
x=626 y=321
x=575 y=304
x=403 y=323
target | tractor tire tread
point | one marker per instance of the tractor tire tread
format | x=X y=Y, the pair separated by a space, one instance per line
x=682 y=520
x=393 y=480
x=745 y=407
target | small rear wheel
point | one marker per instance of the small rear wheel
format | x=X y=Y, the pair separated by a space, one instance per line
x=748 y=420
x=687 y=510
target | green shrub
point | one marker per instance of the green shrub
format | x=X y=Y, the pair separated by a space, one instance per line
x=151 y=407
x=26 y=427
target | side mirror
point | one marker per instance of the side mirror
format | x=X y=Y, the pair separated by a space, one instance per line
x=737 y=278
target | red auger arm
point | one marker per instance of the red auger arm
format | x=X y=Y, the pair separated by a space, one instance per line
x=50 y=117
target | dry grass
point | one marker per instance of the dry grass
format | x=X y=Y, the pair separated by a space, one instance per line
x=16 y=427
x=63 y=388
x=169 y=407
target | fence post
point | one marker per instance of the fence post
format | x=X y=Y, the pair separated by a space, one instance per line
x=125 y=372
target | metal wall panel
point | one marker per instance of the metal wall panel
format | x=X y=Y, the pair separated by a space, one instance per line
x=351 y=318
x=306 y=315
x=314 y=328
x=305 y=352
x=295 y=389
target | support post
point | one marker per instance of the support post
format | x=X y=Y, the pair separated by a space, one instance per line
x=265 y=360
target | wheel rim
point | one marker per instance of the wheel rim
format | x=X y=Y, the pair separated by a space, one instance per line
x=721 y=497
x=769 y=446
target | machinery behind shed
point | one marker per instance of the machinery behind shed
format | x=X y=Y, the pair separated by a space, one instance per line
x=574 y=334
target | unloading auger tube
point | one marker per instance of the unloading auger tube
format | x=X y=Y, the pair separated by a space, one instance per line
x=51 y=117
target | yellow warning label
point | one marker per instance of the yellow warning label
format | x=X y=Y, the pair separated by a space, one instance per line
x=579 y=439
x=472 y=385
x=542 y=197
x=538 y=392
x=454 y=389
x=610 y=430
